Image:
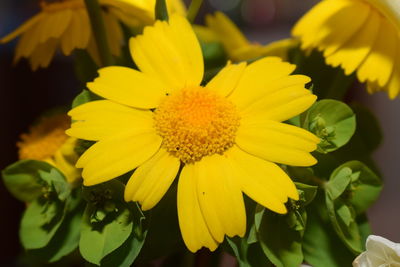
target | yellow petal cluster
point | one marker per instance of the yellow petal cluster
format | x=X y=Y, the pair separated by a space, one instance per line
x=47 y=141
x=65 y=25
x=230 y=130
x=361 y=36
x=219 y=28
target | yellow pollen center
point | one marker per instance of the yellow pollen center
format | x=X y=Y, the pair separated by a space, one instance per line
x=57 y=5
x=196 y=122
x=45 y=138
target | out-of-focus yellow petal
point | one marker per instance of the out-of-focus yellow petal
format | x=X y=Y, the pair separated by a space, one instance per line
x=205 y=34
x=128 y=87
x=169 y=52
x=149 y=183
x=22 y=29
x=195 y=232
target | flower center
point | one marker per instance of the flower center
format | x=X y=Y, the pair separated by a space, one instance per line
x=45 y=138
x=196 y=122
x=57 y=5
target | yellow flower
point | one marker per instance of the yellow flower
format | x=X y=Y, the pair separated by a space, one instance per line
x=225 y=135
x=65 y=24
x=361 y=36
x=222 y=29
x=48 y=142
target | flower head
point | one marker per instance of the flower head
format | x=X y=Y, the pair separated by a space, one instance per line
x=225 y=136
x=380 y=252
x=47 y=141
x=238 y=47
x=65 y=25
x=361 y=36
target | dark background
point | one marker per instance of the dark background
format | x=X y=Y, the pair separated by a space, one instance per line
x=24 y=95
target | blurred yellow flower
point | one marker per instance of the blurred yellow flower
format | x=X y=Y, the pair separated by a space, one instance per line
x=221 y=28
x=361 y=36
x=226 y=135
x=65 y=24
x=47 y=141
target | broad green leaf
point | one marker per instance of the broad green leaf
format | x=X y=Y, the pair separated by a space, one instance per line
x=84 y=97
x=332 y=121
x=280 y=243
x=58 y=182
x=126 y=254
x=248 y=255
x=23 y=180
x=65 y=240
x=339 y=181
x=100 y=238
x=40 y=222
x=321 y=246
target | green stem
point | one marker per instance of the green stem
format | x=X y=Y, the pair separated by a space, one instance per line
x=161 y=10
x=96 y=20
x=340 y=85
x=194 y=9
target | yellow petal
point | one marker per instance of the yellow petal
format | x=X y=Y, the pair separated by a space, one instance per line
x=23 y=28
x=390 y=8
x=169 y=52
x=393 y=87
x=100 y=119
x=205 y=34
x=220 y=197
x=230 y=35
x=77 y=34
x=378 y=66
x=114 y=33
x=117 y=155
x=54 y=24
x=227 y=79
x=263 y=181
x=312 y=27
x=193 y=227
x=354 y=51
x=277 y=142
x=43 y=54
x=257 y=78
x=280 y=105
x=128 y=87
x=151 y=180
x=84 y=28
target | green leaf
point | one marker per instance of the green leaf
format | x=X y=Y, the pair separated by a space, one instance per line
x=321 y=246
x=161 y=10
x=280 y=243
x=248 y=255
x=214 y=55
x=85 y=67
x=84 y=97
x=307 y=192
x=40 y=222
x=23 y=180
x=332 y=121
x=58 y=182
x=339 y=181
x=65 y=240
x=100 y=238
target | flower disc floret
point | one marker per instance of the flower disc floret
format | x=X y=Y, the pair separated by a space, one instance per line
x=196 y=122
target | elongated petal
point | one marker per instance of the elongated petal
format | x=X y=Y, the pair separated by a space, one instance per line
x=151 y=180
x=263 y=181
x=257 y=79
x=227 y=79
x=43 y=54
x=26 y=26
x=55 y=24
x=195 y=232
x=114 y=156
x=218 y=191
x=277 y=142
x=169 y=52
x=128 y=87
x=101 y=119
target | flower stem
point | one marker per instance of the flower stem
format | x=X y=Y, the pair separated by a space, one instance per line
x=194 y=9
x=99 y=32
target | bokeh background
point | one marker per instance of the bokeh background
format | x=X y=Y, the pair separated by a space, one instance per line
x=24 y=95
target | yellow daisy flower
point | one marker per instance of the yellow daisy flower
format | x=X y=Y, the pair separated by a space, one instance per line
x=65 y=24
x=225 y=135
x=238 y=47
x=361 y=36
x=47 y=141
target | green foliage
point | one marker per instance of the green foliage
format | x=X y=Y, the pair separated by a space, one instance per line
x=23 y=179
x=161 y=11
x=214 y=55
x=351 y=189
x=84 y=97
x=332 y=121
